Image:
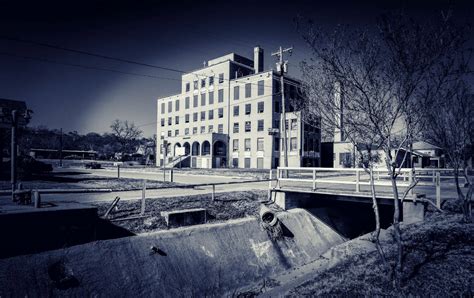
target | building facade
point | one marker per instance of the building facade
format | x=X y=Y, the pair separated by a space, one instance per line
x=228 y=114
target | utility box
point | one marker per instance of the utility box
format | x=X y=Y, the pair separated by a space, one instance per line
x=185 y=217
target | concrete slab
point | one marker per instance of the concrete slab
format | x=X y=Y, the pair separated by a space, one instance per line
x=205 y=260
x=185 y=217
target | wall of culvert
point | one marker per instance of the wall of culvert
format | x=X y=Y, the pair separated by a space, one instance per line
x=212 y=260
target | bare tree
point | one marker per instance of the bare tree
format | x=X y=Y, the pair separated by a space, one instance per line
x=450 y=125
x=126 y=134
x=377 y=73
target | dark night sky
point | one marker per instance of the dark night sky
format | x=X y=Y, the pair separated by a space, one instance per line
x=176 y=34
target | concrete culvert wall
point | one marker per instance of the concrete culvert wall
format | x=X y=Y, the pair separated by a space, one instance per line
x=212 y=260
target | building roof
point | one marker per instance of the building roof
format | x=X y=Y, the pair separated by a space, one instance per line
x=422 y=145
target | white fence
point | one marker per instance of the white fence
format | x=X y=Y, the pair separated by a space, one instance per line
x=297 y=177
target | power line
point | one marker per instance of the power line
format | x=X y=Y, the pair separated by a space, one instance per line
x=47 y=45
x=57 y=47
x=86 y=66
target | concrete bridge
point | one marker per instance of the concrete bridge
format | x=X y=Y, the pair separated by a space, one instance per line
x=342 y=198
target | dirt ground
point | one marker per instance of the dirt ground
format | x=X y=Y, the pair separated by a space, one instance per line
x=90 y=182
x=438 y=262
x=225 y=206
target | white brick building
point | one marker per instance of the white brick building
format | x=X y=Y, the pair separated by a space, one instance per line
x=228 y=114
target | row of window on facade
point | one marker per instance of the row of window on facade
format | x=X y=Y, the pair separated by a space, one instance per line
x=210 y=81
x=261 y=144
x=209 y=99
x=210 y=114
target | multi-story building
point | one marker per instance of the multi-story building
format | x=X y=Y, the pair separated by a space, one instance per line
x=228 y=114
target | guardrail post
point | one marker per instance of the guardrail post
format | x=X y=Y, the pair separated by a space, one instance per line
x=143 y=197
x=278 y=174
x=438 y=190
x=270 y=185
x=314 y=179
x=378 y=174
x=357 y=180
x=171 y=175
x=118 y=171
x=213 y=192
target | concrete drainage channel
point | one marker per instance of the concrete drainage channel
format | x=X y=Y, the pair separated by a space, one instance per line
x=204 y=260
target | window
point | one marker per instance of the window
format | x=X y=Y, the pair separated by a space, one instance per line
x=260 y=125
x=195 y=84
x=277 y=107
x=235 y=162
x=162 y=108
x=203 y=129
x=286 y=124
x=186 y=131
x=259 y=144
x=203 y=83
x=260 y=107
x=195 y=117
x=221 y=78
x=211 y=80
x=186 y=118
x=294 y=124
x=248 y=90
x=220 y=128
x=195 y=130
x=176 y=108
x=276 y=123
x=186 y=103
x=236 y=127
x=170 y=106
x=293 y=144
x=260 y=89
x=188 y=87
x=247 y=163
x=203 y=99
x=220 y=113
x=247 y=144
x=211 y=97
x=236 y=110
x=260 y=163
x=162 y=121
x=211 y=114
x=248 y=108
x=220 y=95
x=211 y=128
x=176 y=132
x=248 y=126
x=170 y=120
x=176 y=120
x=203 y=115
x=276 y=87
x=169 y=133
x=277 y=144
x=236 y=92
x=345 y=159
x=195 y=101
x=235 y=145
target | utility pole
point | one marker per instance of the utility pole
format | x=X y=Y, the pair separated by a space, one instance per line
x=13 y=152
x=282 y=68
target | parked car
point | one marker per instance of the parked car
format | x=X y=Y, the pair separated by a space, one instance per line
x=93 y=165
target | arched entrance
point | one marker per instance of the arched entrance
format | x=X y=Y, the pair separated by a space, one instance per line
x=195 y=149
x=206 y=148
x=219 y=155
x=187 y=148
